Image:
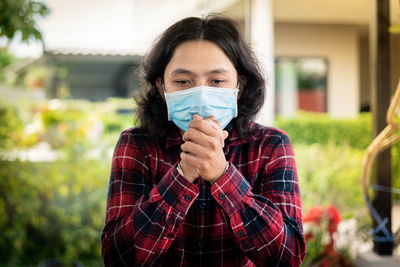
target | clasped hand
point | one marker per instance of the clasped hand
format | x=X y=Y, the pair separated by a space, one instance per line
x=202 y=153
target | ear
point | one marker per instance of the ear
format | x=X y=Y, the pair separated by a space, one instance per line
x=159 y=85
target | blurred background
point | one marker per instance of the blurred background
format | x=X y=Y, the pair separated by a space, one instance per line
x=69 y=69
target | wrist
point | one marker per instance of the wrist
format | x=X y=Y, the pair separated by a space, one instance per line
x=180 y=171
x=178 y=167
x=215 y=180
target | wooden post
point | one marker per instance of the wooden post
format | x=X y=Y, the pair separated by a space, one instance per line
x=380 y=86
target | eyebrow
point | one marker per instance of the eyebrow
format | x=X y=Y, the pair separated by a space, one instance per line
x=185 y=71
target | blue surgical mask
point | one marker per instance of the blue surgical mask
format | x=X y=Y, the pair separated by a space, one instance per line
x=204 y=101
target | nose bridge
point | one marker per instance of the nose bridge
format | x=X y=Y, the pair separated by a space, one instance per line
x=200 y=81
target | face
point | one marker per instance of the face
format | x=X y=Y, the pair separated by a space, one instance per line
x=198 y=63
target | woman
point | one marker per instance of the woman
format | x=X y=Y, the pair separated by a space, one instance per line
x=199 y=183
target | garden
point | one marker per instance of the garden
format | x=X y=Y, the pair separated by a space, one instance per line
x=55 y=158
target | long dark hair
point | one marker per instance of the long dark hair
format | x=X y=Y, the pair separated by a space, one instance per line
x=152 y=110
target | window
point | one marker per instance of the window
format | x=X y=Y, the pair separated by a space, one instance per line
x=300 y=85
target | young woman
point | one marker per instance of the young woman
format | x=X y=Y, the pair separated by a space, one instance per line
x=199 y=183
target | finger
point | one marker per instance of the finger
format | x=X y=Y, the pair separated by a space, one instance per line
x=197 y=117
x=216 y=125
x=190 y=160
x=198 y=137
x=226 y=134
x=214 y=119
x=204 y=126
x=193 y=149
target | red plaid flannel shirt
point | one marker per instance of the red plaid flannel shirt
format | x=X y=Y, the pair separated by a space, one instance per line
x=252 y=216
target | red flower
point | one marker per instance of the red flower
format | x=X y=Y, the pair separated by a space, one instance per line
x=314 y=215
x=308 y=236
x=333 y=218
x=325 y=263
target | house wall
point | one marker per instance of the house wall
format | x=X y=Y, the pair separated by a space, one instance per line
x=320 y=12
x=339 y=45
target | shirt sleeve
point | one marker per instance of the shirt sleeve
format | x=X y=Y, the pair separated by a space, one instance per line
x=142 y=220
x=266 y=226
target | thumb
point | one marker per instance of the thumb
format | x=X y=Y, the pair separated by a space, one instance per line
x=225 y=134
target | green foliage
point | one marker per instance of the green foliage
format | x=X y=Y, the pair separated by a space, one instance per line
x=344 y=134
x=314 y=128
x=10 y=126
x=396 y=167
x=20 y=16
x=12 y=129
x=52 y=210
x=38 y=76
x=331 y=175
x=329 y=155
x=6 y=59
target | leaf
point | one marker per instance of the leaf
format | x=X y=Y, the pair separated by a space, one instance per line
x=20 y=16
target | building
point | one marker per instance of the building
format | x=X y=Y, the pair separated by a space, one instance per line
x=320 y=48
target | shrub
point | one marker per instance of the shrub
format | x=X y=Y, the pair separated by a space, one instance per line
x=330 y=174
x=12 y=132
x=349 y=134
x=316 y=128
x=52 y=210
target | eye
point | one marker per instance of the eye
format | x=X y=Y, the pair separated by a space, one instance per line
x=182 y=82
x=217 y=82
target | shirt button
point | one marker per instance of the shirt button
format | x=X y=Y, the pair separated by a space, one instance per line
x=170 y=236
x=188 y=198
x=239 y=233
x=201 y=244
x=222 y=196
x=203 y=205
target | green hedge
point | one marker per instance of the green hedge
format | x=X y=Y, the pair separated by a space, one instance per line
x=52 y=211
x=330 y=174
x=315 y=128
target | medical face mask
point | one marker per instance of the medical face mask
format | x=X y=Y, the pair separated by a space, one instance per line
x=204 y=101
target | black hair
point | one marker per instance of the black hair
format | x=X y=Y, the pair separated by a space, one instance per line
x=151 y=108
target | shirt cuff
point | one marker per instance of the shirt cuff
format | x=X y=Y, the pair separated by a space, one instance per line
x=175 y=190
x=230 y=189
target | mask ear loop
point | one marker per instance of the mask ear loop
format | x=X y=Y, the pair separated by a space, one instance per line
x=239 y=90
x=164 y=98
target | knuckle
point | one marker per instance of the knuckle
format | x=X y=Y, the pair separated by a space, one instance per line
x=189 y=133
x=184 y=147
x=214 y=143
x=200 y=123
x=183 y=155
x=192 y=123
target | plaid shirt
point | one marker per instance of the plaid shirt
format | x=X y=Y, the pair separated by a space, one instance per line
x=252 y=216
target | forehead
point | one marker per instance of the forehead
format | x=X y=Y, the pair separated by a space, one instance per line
x=199 y=56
